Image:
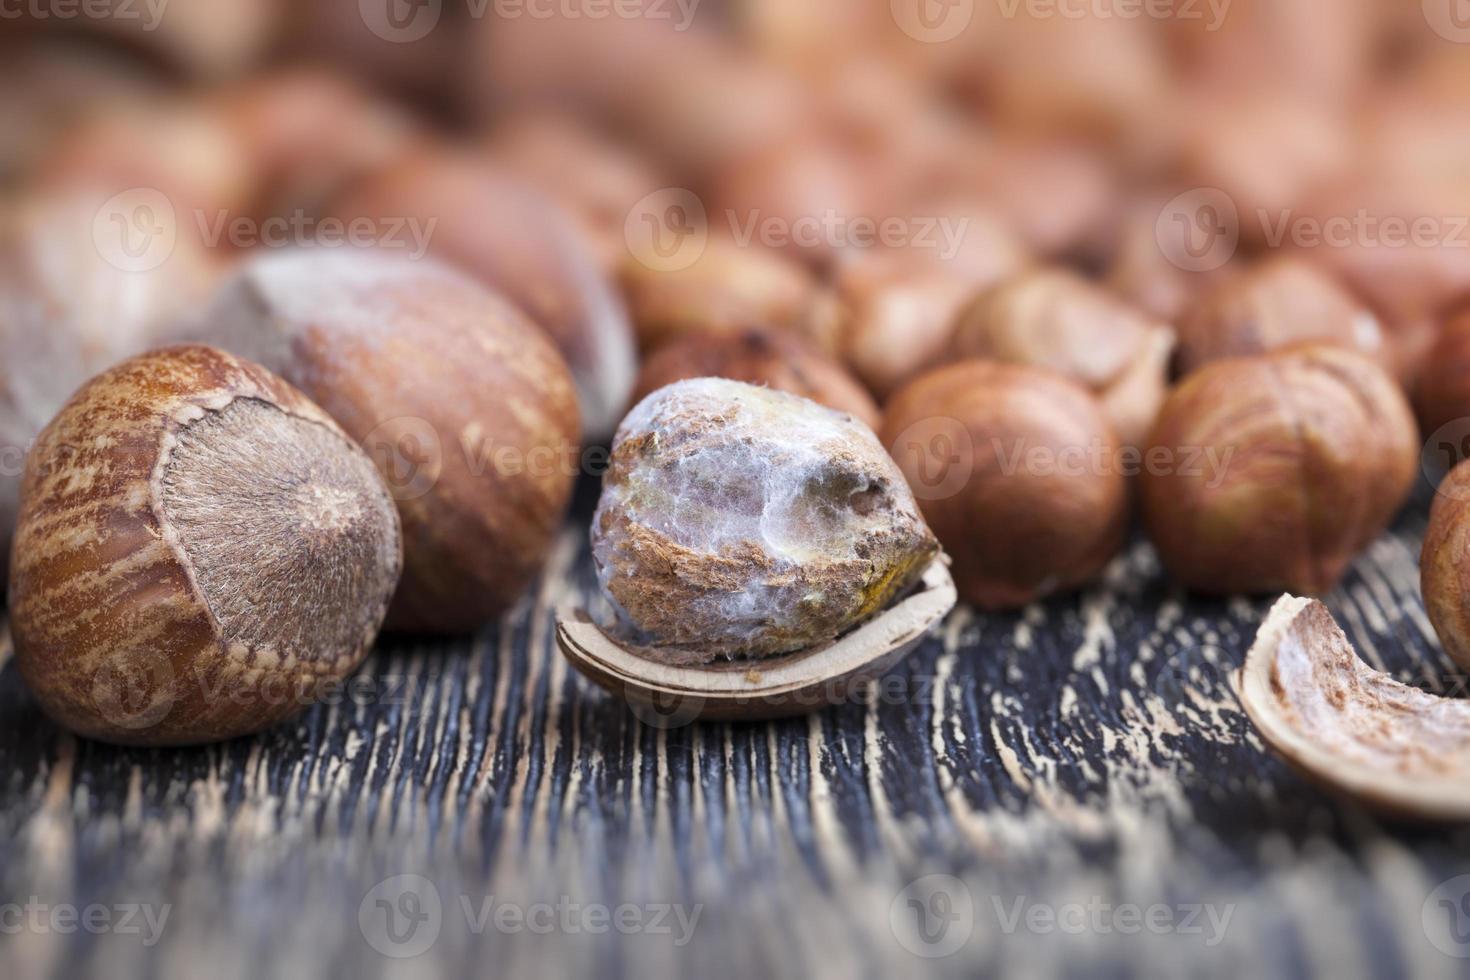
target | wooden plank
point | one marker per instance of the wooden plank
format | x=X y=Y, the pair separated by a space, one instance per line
x=1060 y=769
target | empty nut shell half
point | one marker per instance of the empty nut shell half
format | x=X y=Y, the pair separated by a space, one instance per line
x=666 y=695
x=1352 y=728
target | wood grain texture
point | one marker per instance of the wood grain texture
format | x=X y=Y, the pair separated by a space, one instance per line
x=1087 y=751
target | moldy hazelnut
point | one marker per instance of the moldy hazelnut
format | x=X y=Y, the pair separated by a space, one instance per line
x=194 y=528
x=737 y=521
x=1018 y=471
x=1271 y=473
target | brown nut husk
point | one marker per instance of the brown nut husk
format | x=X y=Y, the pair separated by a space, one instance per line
x=1279 y=303
x=737 y=521
x=465 y=406
x=1352 y=728
x=728 y=289
x=761 y=357
x=195 y=531
x=1271 y=473
x=1055 y=319
x=523 y=245
x=1444 y=565
x=1018 y=472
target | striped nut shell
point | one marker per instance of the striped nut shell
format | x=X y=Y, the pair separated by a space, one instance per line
x=200 y=548
x=1269 y=474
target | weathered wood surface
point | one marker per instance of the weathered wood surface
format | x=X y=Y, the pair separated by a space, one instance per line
x=1086 y=754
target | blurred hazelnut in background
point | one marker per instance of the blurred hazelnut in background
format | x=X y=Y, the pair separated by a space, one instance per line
x=779 y=360
x=1055 y=319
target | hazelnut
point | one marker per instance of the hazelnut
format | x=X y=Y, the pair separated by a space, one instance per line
x=1443 y=566
x=1442 y=396
x=761 y=357
x=900 y=303
x=194 y=529
x=1055 y=319
x=69 y=308
x=1351 y=728
x=306 y=134
x=588 y=173
x=1017 y=470
x=737 y=521
x=178 y=148
x=726 y=290
x=521 y=244
x=1271 y=473
x=463 y=404
x=1272 y=305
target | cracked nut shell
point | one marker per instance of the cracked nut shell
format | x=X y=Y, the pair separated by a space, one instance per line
x=1271 y=473
x=199 y=545
x=1349 y=727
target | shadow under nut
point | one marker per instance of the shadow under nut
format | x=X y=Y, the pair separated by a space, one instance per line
x=199 y=549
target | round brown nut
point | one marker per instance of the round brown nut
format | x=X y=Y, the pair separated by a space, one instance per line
x=1273 y=305
x=199 y=547
x=464 y=405
x=1443 y=566
x=1017 y=470
x=760 y=357
x=1057 y=320
x=521 y=244
x=1271 y=473
x=900 y=303
x=726 y=290
x=72 y=302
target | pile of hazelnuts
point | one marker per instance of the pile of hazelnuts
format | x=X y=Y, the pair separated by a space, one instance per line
x=246 y=453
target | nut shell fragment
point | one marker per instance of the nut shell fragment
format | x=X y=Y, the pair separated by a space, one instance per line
x=1350 y=727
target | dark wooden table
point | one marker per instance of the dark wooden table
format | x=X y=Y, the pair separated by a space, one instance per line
x=1069 y=791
